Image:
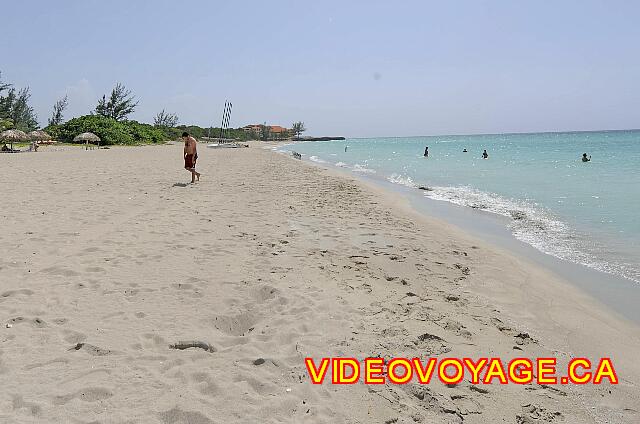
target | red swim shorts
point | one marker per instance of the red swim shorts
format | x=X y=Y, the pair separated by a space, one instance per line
x=189 y=162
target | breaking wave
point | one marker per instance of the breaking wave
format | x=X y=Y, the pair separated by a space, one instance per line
x=316 y=159
x=402 y=180
x=537 y=227
x=362 y=169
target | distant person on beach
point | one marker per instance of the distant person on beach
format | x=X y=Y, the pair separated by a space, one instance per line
x=190 y=156
x=426 y=152
x=585 y=158
x=485 y=155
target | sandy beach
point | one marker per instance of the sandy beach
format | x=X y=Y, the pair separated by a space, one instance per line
x=109 y=259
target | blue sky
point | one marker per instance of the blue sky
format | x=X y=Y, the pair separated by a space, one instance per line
x=352 y=68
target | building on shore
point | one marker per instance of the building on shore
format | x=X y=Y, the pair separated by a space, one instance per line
x=273 y=132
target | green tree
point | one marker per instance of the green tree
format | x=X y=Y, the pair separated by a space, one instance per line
x=165 y=120
x=58 y=110
x=16 y=107
x=6 y=103
x=264 y=132
x=120 y=104
x=298 y=128
x=109 y=130
x=3 y=86
x=15 y=110
x=144 y=133
x=5 y=124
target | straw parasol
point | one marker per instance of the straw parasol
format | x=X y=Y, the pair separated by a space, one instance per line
x=13 y=135
x=39 y=135
x=87 y=137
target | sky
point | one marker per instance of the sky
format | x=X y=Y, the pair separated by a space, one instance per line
x=345 y=68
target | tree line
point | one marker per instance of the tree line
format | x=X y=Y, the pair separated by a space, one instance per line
x=15 y=111
x=109 y=120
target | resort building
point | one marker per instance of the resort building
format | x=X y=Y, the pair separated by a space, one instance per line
x=276 y=132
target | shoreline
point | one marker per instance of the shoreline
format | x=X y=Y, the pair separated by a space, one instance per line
x=567 y=294
x=114 y=259
x=619 y=293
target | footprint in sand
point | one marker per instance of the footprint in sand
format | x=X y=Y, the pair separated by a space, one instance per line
x=94 y=269
x=466 y=405
x=18 y=403
x=89 y=394
x=454 y=326
x=12 y=293
x=205 y=383
x=179 y=416
x=434 y=402
x=521 y=338
x=536 y=414
x=64 y=272
x=264 y=293
x=431 y=344
x=71 y=336
x=36 y=322
x=464 y=269
x=235 y=325
x=455 y=299
x=91 y=349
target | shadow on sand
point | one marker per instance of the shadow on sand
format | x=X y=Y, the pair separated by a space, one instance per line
x=180 y=185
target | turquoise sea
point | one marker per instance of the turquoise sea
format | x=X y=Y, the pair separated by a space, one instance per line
x=587 y=213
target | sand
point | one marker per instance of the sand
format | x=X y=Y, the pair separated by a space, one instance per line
x=108 y=259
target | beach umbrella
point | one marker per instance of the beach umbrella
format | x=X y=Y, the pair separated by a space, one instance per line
x=39 y=135
x=87 y=137
x=13 y=135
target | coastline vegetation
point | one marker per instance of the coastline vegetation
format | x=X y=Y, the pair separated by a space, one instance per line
x=109 y=120
x=15 y=112
x=108 y=129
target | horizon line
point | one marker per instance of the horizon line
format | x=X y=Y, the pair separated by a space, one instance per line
x=505 y=133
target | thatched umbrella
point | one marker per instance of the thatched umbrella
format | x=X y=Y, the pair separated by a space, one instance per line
x=39 y=135
x=87 y=137
x=13 y=135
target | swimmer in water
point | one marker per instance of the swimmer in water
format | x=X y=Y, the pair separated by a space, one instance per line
x=464 y=151
x=426 y=152
x=585 y=158
x=485 y=155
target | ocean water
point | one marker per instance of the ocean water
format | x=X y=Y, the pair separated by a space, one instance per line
x=587 y=213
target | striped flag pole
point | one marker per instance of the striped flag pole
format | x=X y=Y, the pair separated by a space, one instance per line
x=228 y=120
x=222 y=123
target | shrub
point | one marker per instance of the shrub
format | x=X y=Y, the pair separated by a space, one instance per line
x=109 y=130
x=142 y=133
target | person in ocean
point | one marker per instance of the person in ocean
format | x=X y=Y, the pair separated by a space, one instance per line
x=485 y=155
x=585 y=158
x=345 y=149
x=426 y=152
x=464 y=151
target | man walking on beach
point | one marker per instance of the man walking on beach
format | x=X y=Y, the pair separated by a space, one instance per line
x=190 y=156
